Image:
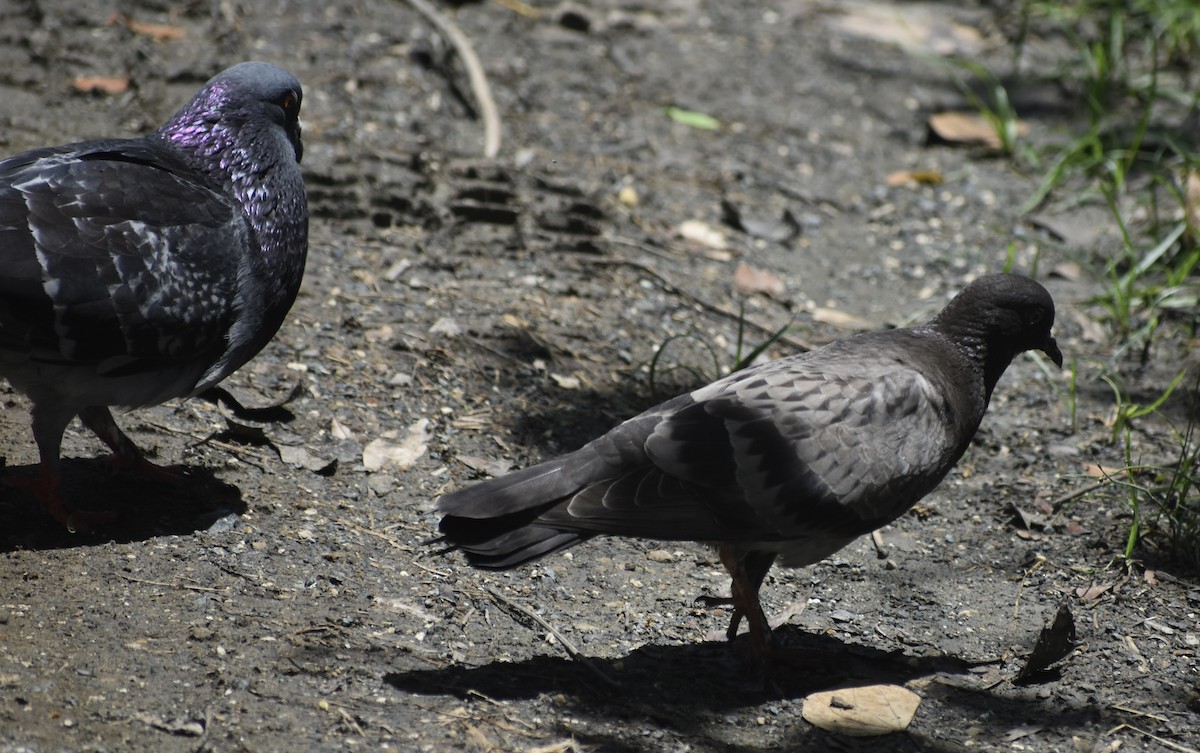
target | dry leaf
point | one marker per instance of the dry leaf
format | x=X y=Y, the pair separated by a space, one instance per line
x=750 y=279
x=839 y=318
x=703 y=233
x=1100 y=471
x=447 y=327
x=744 y=217
x=566 y=382
x=103 y=84
x=340 y=431
x=918 y=177
x=490 y=466
x=300 y=457
x=157 y=32
x=969 y=128
x=1068 y=270
x=862 y=712
x=380 y=454
x=915 y=29
x=1091 y=593
x=1016 y=733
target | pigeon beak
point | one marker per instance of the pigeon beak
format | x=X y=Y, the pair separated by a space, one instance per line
x=1050 y=348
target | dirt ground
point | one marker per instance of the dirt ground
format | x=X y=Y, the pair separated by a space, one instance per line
x=463 y=316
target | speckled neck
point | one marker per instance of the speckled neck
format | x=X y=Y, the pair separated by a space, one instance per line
x=253 y=159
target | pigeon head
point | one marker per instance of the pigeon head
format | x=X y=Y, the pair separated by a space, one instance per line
x=269 y=90
x=997 y=317
x=253 y=102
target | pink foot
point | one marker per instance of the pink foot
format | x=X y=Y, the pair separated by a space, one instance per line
x=45 y=486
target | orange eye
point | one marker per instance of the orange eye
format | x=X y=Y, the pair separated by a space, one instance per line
x=288 y=103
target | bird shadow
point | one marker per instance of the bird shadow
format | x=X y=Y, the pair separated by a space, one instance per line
x=143 y=509
x=718 y=677
x=690 y=689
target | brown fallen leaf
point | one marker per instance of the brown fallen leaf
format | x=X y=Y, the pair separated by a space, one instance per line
x=969 y=128
x=1100 y=471
x=863 y=711
x=914 y=177
x=1091 y=593
x=839 y=318
x=750 y=279
x=1068 y=270
x=102 y=84
x=157 y=32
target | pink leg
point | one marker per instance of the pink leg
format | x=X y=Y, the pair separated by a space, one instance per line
x=48 y=427
x=746 y=574
x=126 y=455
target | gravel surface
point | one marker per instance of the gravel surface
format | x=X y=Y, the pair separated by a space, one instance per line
x=462 y=316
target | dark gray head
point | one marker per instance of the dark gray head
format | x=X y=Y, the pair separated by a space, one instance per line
x=998 y=316
x=253 y=93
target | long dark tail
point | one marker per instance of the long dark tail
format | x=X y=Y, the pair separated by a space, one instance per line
x=495 y=523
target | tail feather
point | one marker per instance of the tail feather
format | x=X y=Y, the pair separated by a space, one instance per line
x=507 y=521
x=512 y=548
x=495 y=522
x=536 y=488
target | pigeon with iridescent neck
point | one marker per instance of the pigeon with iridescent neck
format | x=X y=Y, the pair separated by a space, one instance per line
x=133 y=271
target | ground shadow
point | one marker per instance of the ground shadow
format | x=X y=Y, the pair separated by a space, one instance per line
x=144 y=509
x=717 y=676
x=690 y=690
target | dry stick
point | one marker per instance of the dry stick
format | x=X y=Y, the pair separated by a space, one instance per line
x=1108 y=478
x=1170 y=744
x=674 y=289
x=571 y=649
x=1069 y=496
x=162 y=584
x=470 y=61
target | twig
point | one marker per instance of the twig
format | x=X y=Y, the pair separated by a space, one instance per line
x=516 y=6
x=1069 y=496
x=1135 y=712
x=568 y=646
x=799 y=345
x=162 y=584
x=1170 y=744
x=247 y=454
x=470 y=61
